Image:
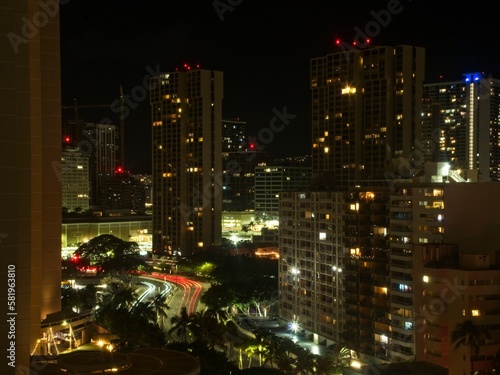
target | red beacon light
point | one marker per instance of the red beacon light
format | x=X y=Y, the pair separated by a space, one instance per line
x=337 y=42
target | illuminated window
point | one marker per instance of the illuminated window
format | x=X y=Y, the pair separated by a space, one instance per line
x=348 y=90
x=476 y=313
x=426 y=279
x=322 y=235
x=355 y=251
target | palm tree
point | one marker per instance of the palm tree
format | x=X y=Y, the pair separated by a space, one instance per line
x=160 y=307
x=181 y=324
x=324 y=365
x=206 y=327
x=305 y=362
x=142 y=309
x=273 y=349
x=284 y=362
x=230 y=336
x=119 y=295
x=470 y=335
x=259 y=345
x=242 y=346
x=340 y=354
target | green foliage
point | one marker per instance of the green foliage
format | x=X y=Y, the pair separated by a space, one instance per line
x=242 y=281
x=218 y=297
x=133 y=329
x=110 y=255
x=82 y=299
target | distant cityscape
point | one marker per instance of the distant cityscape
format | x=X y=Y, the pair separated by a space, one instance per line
x=385 y=236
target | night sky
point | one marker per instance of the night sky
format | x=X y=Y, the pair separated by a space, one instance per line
x=263 y=48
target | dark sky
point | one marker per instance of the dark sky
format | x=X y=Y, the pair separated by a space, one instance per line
x=263 y=48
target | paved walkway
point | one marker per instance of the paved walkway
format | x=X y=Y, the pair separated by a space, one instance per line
x=279 y=328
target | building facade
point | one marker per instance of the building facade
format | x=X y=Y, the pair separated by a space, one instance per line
x=135 y=228
x=453 y=286
x=366 y=110
x=75 y=180
x=373 y=237
x=122 y=191
x=468 y=127
x=30 y=156
x=311 y=246
x=271 y=180
x=186 y=112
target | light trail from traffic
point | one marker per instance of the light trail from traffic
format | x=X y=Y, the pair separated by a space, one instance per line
x=191 y=290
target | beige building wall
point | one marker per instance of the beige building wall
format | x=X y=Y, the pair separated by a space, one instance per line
x=473 y=217
x=30 y=193
x=446 y=296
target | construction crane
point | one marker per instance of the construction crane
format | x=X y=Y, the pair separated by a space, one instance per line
x=76 y=107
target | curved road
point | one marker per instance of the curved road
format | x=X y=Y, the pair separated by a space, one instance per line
x=186 y=294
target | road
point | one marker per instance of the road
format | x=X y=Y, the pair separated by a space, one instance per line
x=185 y=292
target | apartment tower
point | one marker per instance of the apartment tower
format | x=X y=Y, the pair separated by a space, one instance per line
x=366 y=107
x=186 y=112
x=467 y=130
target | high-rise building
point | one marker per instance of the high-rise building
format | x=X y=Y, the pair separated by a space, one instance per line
x=234 y=135
x=311 y=246
x=239 y=179
x=271 y=180
x=468 y=124
x=75 y=180
x=122 y=192
x=100 y=143
x=187 y=177
x=334 y=273
x=103 y=148
x=349 y=249
x=30 y=156
x=351 y=265
x=239 y=159
x=366 y=110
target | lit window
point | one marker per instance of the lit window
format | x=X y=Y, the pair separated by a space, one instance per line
x=476 y=313
x=426 y=279
x=322 y=235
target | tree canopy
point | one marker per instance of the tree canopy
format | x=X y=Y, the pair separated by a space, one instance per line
x=109 y=255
